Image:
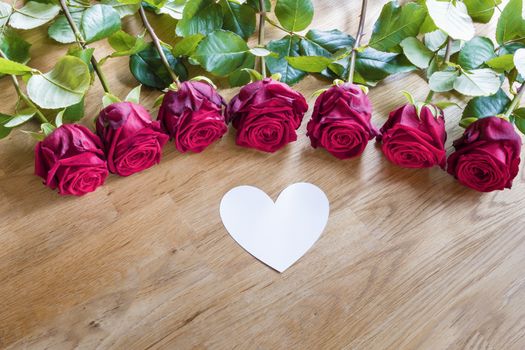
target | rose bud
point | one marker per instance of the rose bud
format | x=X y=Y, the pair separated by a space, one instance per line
x=132 y=141
x=266 y=114
x=487 y=156
x=71 y=159
x=192 y=116
x=341 y=121
x=415 y=139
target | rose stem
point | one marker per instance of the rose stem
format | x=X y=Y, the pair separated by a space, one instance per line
x=448 y=52
x=82 y=43
x=23 y=96
x=260 y=40
x=515 y=101
x=357 y=41
x=158 y=46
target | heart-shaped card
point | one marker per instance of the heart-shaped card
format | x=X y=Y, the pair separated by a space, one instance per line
x=277 y=233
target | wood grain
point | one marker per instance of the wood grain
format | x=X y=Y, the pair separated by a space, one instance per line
x=410 y=259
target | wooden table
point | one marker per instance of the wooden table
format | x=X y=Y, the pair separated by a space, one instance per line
x=410 y=259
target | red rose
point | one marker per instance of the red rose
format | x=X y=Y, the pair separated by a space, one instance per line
x=487 y=156
x=132 y=141
x=266 y=114
x=341 y=121
x=192 y=116
x=415 y=141
x=71 y=158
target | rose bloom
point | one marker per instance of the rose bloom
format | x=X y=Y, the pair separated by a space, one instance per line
x=132 y=141
x=413 y=140
x=341 y=121
x=266 y=114
x=487 y=156
x=192 y=116
x=71 y=159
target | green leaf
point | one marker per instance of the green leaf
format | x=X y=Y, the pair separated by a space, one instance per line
x=260 y=52
x=14 y=47
x=435 y=40
x=74 y=112
x=157 y=4
x=4 y=132
x=205 y=79
x=200 y=17
x=372 y=66
x=443 y=81
x=20 y=118
x=122 y=9
x=84 y=54
x=134 y=95
x=240 y=77
x=95 y=23
x=481 y=10
x=502 y=63
x=409 y=97
x=519 y=119
x=63 y=86
x=310 y=48
x=254 y=75
x=125 y=44
x=33 y=14
x=238 y=18
x=475 y=53
x=59 y=118
x=285 y=47
x=221 y=52
x=255 y=5
x=452 y=18
x=148 y=69
x=47 y=128
x=12 y=67
x=330 y=40
x=511 y=25
x=478 y=82
x=109 y=99
x=416 y=52
x=5 y=12
x=395 y=24
x=294 y=15
x=519 y=61
x=314 y=64
x=173 y=8
x=39 y=136
x=187 y=46
x=486 y=106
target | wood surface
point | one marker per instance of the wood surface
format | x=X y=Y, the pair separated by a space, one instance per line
x=409 y=259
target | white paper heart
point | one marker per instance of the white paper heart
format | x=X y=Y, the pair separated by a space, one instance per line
x=279 y=233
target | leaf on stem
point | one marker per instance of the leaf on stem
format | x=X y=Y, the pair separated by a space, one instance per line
x=478 y=82
x=288 y=46
x=475 y=53
x=221 y=52
x=452 y=18
x=294 y=15
x=95 y=23
x=33 y=14
x=200 y=17
x=486 y=106
x=511 y=25
x=63 y=86
x=416 y=52
x=396 y=23
x=14 y=68
x=238 y=18
x=146 y=66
